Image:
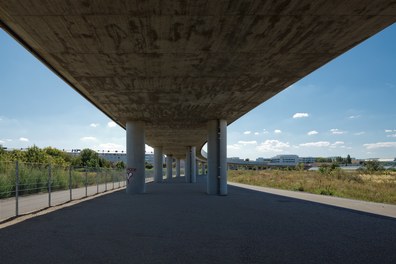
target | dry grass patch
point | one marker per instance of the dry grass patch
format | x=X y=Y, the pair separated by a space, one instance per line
x=369 y=187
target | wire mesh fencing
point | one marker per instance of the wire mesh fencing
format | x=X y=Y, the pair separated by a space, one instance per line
x=29 y=187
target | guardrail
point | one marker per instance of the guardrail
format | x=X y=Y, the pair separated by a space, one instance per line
x=29 y=187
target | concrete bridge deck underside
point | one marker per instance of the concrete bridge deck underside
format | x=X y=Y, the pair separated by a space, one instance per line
x=178 y=64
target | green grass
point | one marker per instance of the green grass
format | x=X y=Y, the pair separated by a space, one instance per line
x=355 y=185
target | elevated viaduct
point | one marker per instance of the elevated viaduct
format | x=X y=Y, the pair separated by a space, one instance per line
x=175 y=73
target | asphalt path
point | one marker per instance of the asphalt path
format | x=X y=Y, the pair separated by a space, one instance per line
x=34 y=202
x=179 y=223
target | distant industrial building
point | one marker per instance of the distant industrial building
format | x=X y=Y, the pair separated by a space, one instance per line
x=114 y=156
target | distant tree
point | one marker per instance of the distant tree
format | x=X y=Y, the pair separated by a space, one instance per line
x=348 y=159
x=104 y=163
x=247 y=159
x=120 y=165
x=58 y=157
x=339 y=159
x=36 y=155
x=89 y=158
x=372 y=166
x=148 y=165
x=323 y=160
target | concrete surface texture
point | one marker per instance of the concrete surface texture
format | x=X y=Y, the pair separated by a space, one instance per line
x=179 y=223
x=177 y=64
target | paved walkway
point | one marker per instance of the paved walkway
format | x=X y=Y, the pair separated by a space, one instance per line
x=368 y=207
x=35 y=202
x=179 y=223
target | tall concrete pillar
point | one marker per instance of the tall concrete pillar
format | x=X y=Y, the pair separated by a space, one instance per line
x=158 y=161
x=217 y=157
x=193 y=166
x=187 y=165
x=169 y=160
x=177 y=168
x=135 y=157
x=197 y=164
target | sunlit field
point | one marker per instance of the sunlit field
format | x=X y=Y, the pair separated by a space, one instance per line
x=375 y=187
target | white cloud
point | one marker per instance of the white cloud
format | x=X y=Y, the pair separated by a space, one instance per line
x=88 y=139
x=318 y=144
x=234 y=146
x=354 y=116
x=265 y=131
x=392 y=135
x=273 y=145
x=336 y=131
x=300 y=115
x=94 y=125
x=23 y=139
x=256 y=133
x=252 y=142
x=111 y=124
x=2 y=142
x=277 y=131
x=247 y=132
x=338 y=144
x=360 y=133
x=380 y=145
x=313 y=132
x=389 y=130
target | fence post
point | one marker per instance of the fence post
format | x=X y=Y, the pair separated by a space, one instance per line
x=97 y=181
x=112 y=178
x=86 y=182
x=70 y=182
x=16 y=188
x=49 y=185
x=105 y=179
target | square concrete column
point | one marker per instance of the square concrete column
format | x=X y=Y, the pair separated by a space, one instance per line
x=193 y=165
x=217 y=157
x=158 y=164
x=177 y=168
x=169 y=161
x=135 y=157
x=187 y=165
x=197 y=163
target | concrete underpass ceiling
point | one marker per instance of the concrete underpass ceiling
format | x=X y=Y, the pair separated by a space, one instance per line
x=178 y=64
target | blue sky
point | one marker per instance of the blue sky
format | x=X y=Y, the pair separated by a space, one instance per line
x=348 y=106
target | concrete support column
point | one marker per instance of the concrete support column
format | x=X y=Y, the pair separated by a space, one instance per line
x=187 y=165
x=193 y=166
x=217 y=157
x=169 y=160
x=177 y=168
x=197 y=168
x=158 y=161
x=135 y=157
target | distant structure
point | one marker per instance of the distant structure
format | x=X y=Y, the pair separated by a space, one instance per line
x=114 y=156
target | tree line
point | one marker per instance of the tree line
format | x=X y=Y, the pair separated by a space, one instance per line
x=86 y=158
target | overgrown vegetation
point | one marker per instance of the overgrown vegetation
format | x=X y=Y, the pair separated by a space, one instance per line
x=35 y=165
x=368 y=184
